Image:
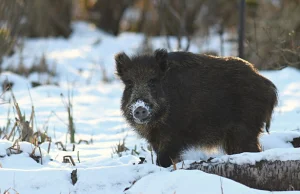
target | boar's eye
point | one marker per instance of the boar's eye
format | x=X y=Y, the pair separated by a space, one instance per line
x=152 y=83
x=128 y=83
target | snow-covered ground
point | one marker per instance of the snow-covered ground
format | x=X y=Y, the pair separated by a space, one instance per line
x=79 y=62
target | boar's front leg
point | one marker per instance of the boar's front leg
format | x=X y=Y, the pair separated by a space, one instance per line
x=166 y=154
x=163 y=160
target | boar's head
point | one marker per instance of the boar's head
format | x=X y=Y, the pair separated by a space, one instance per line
x=144 y=101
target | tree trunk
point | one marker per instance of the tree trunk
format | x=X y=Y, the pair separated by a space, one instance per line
x=48 y=18
x=265 y=175
x=111 y=13
x=36 y=18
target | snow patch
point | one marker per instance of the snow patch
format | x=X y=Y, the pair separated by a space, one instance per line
x=137 y=104
x=183 y=181
x=4 y=145
x=282 y=154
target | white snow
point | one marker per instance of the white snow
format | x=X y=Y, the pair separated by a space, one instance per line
x=79 y=62
x=282 y=154
x=278 y=139
x=137 y=104
x=112 y=179
x=4 y=144
x=183 y=181
x=21 y=82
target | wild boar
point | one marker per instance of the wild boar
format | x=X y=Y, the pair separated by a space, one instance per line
x=179 y=100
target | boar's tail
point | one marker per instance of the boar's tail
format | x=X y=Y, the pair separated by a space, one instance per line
x=268 y=123
x=272 y=104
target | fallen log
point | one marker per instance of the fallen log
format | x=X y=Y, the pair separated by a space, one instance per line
x=264 y=175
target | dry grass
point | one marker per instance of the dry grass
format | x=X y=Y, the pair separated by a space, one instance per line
x=69 y=107
x=69 y=159
x=119 y=148
x=9 y=191
x=134 y=151
x=15 y=149
x=43 y=18
x=40 y=66
x=38 y=159
x=21 y=126
x=272 y=35
x=7 y=43
x=26 y=127
x=174 y=164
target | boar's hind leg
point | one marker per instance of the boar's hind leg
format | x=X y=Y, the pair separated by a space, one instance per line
x=240 y=139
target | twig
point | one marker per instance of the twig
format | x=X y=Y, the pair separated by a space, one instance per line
x=6 y=191
x=78 y=156
x=222 y=192
x=32 y=117
x=41 y=155
x=174 y=164
x=12 y=131
x=68 y=159
x=61 y=144
x=49 y=145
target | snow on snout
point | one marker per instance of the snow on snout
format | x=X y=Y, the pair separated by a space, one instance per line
x=137 y=104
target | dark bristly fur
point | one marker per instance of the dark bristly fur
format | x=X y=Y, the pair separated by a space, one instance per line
x=196 y=100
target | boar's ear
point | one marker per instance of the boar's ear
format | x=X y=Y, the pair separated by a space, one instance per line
x=161 y=56
x=122 y=61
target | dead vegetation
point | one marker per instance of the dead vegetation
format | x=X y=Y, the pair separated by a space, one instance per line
x=8 y=32
x=16 y=149
x=272 y=35
x=178 y=19
x=69 y=159
x=17 y=19
x=25 y=127
x=49 y=18
x=40 y=66
x=119 y=148
x=22 y=126
x=68 y=103
x=37 y=158
x=7 y=43
x=9 y=191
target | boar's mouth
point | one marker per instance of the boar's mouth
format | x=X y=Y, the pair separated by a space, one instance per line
x=141 y=112
x=141 y=122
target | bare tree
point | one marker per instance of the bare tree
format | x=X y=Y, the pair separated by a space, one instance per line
x=273 y=35
x=10 y=23
x=35 y=18
x=177 y=18
x=108 y=14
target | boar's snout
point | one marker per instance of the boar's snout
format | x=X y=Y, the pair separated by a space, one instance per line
x=141 y=113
